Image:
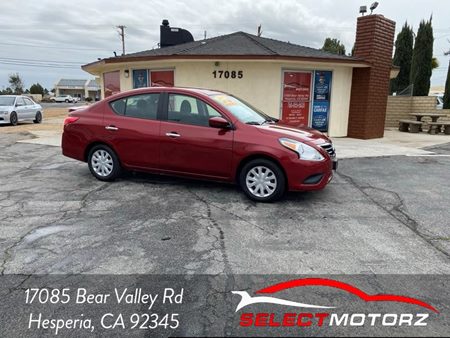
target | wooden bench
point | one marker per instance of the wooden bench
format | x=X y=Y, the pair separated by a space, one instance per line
x=436 y=127
x=409 y=125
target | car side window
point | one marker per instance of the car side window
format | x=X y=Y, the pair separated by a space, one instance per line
x=143 y=106
x=20 y=102
x=28 y=102
x=189 y=110
x=212 y=112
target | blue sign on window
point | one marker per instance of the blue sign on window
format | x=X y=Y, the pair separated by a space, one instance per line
x=321 y=100
x=140 y=78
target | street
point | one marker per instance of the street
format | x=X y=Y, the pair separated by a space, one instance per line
x=378 y=216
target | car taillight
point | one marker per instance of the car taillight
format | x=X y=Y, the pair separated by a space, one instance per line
x=70 y=119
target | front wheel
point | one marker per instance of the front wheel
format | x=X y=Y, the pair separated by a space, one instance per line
x=262 y=180
x=13 y=119
x=67 y=101
x=104 y=163
x=38 y=117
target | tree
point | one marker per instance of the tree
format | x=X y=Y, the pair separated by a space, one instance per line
x=37 y=89
x=333 y=46
x=447 y=90
x=421 y=65
x=402 y=58
x=16 y=83
x=7 y=91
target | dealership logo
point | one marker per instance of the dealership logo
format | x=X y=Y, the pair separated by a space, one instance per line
x=326 y=317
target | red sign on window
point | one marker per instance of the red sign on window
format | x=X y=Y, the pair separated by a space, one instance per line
x=162 y=78
x=111 y=83
x=296 y=98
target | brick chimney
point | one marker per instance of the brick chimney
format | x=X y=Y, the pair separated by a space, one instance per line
x=370 y=86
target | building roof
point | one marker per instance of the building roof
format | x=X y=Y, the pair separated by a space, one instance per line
x=93 y=84
x=239 y=45
x=71 y=83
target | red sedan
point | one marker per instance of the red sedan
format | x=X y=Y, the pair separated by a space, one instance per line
x=198 y=133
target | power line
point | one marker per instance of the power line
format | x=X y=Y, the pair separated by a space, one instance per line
x=50 y=47
x=38 y=65
x=44 y=61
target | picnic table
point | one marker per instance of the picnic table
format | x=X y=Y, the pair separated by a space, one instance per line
x=434 y=116
x=435 y=127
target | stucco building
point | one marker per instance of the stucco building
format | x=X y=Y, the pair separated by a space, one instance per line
x=297 y=84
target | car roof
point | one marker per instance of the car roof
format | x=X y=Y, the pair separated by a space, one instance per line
x=181 y=90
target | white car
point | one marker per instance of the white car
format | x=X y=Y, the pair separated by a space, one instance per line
x=17 y=108
x=439 y=102
x=64 y=98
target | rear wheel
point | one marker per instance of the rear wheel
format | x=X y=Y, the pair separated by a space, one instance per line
x=67 y=101
x=262 y=180
x=104 y=163
x=13 y=118
x=38 y=117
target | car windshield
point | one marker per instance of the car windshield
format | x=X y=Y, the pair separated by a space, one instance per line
x=242 y=110
x=7 y=101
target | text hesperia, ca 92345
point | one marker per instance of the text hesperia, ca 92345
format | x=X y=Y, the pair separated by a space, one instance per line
x=118 y=299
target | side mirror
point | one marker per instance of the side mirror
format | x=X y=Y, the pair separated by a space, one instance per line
x=219 y=122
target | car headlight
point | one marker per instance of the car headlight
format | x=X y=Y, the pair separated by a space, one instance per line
x=304 y=151
x=5 y=112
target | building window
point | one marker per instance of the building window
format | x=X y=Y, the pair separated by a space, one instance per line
x=140 y=78
x=111 y=83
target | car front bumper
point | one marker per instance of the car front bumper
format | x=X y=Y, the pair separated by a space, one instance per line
x=308 y=175
x=4 y=119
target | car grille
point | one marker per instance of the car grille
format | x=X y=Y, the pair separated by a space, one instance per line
x=328 y=147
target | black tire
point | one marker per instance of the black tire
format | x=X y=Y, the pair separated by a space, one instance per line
x=38 y=117
x=279 y=181
x=111 y=157
x=67 y=101
x=13 y=118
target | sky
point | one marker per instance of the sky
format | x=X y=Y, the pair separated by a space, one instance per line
x=47 y=40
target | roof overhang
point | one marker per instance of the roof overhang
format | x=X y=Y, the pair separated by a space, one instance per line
x=94 y=67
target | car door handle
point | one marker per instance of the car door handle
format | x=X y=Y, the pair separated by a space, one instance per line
x=111 y=128
x=173 y=134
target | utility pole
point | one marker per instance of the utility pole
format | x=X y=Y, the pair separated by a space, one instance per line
x=122 y=35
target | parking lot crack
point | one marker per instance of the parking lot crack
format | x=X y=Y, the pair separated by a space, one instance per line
x=397 y=211
x=221 y=238
x=7 y=252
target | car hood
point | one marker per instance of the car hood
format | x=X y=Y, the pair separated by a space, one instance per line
x=303 y=134
x=6 y=108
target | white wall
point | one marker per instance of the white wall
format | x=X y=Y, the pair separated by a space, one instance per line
x=260 y=85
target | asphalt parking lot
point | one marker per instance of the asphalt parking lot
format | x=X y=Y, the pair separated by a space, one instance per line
x=379 y=215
